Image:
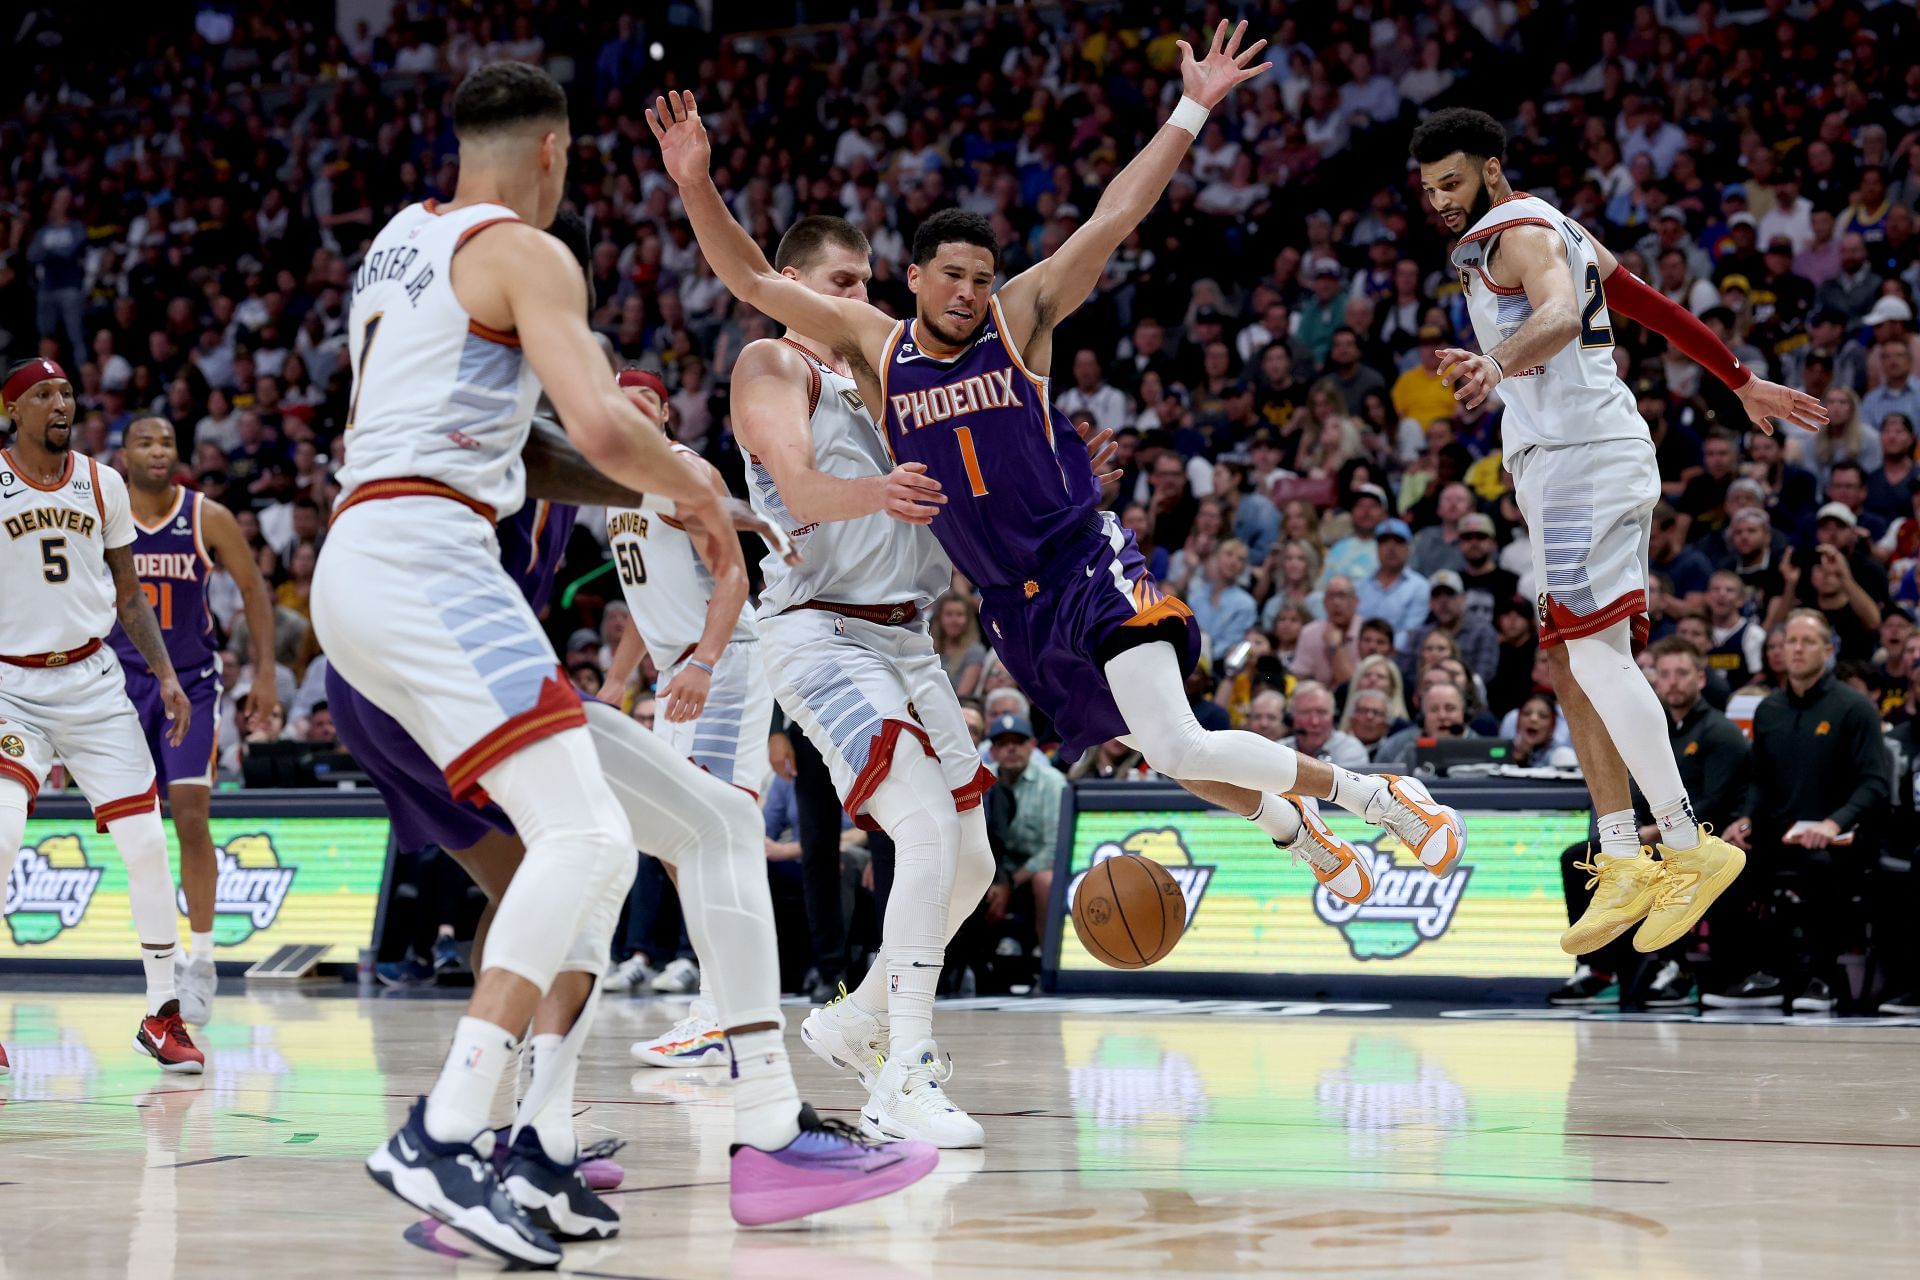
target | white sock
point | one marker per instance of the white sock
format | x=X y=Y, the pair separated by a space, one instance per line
x=913 y=975
x=457 y=1107
x=555 y=1069
x=766 y=1106
x=1619 y=836
x=159 y=967
x=1357 y=793
x=1679 y=829
x=500 y=1110
x=202 y=945
x=1279 y=819
x=869 y=995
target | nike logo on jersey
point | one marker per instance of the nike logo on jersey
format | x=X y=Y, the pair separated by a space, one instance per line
x=16 y=493
x=906 y=353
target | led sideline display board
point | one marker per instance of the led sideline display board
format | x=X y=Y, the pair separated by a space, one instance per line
x=1251 y=911
x=281 y=880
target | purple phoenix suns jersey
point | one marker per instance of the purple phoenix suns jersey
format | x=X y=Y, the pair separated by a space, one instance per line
x=172 y=561
x=532 y=542
x=1019 y=486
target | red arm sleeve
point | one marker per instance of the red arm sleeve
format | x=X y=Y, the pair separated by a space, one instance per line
x=1633 y=298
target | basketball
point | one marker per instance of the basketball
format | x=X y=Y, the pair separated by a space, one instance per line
x=1129 y=912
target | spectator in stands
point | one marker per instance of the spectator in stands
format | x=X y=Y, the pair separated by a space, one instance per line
x=1897 y=392
x=1223 y=609
x=1437 y=546
x=1031 y=788
x=1328 y=648
x=1443 y=714
x=1887 y=486
x=1368 y=718
x=1314 y=733
x=1815 y=813
x=1091 y=393
x=1267 y=713
x=1393 y=592
x=1832 y=590
x=1253 y=519
x=1478 y=647
x=956 y=638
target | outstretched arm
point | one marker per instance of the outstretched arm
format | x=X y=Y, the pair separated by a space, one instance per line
x=686 y=697
x=1035 y=300
x=850 y=327
x=1632 y=298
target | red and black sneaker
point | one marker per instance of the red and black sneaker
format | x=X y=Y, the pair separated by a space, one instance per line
x=163 y=1037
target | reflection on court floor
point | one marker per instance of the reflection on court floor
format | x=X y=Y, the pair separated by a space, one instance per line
x=1123 y=1137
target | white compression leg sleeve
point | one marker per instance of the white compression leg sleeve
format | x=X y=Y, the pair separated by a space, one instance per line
x=1603 y=666
x=1153 y=701
x=972 y=875
x=548 y=1104
x=579 y=853
x=142 y=842
x=714 y=835
x=13 y=820
x=914 y=806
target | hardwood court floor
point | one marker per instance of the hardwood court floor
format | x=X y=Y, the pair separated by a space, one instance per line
x=1123 y=1139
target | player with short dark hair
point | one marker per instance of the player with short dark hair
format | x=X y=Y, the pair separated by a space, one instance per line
x=1538 y=290
x=179 y=537
x=1068 y=600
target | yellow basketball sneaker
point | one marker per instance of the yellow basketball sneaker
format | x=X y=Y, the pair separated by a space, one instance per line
x=1690 y=881
x=1624 y=890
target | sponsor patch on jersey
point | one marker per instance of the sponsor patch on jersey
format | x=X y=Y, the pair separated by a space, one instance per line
x=12 y=746
x=852 y=400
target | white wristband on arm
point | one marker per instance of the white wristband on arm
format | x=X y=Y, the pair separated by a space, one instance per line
x=1189 y=115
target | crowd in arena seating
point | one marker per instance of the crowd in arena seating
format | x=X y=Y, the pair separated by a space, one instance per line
x=183 y=215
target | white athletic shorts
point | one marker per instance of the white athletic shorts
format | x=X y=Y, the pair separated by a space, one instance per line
x=80 y=716
x=1589 y=511
x=854 y=687
x=413 y=609
x=729 y=739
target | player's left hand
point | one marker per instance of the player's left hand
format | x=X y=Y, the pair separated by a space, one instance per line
x=263 y=704
x=780 y=756
x=1765 y=401
x=179 y=710
x=686 y=697
x=684 y=148
x=1472 y=377
x=1210 y=79
x=1100 y=451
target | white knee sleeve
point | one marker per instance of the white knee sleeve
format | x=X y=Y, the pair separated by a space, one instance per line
x=914 y=806
x=1602 y=665
x=974 y=871
x=579 y=859
x=13 y=820
x=714 y=835
x=1152 y=699
x=142 y=842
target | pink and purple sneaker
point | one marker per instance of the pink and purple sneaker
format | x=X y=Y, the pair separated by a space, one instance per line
x=828 y=1165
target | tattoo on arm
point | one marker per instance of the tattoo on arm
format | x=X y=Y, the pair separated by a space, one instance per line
x=136 y=615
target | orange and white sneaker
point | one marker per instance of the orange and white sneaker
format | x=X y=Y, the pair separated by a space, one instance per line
x=1430 y=829
x=163 y=1037
x=1336 y=863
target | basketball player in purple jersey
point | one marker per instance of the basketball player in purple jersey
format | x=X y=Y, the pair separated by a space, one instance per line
x=1071 y=608
x=178 y=538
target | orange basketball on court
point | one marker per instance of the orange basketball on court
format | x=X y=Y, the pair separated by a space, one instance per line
x=1129 y=912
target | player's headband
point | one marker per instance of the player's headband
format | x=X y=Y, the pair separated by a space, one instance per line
x=26 y=377
x=641 y=378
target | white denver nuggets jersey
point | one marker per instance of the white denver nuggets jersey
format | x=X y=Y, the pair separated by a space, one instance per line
x=54 y=580
x=435 y=394
x=666 y=583
x=1576 y=397
x=873 y=560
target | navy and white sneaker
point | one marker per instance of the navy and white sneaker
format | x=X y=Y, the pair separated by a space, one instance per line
x=555 y=1195
x=455 y=1182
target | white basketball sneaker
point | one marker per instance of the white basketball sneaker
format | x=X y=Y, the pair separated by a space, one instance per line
x=694 y=1041
x=844 y=1035
x=908 y=1103
x=1433 y=831
x=195 y=980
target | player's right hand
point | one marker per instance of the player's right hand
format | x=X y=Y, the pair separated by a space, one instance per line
x=911 y=495
x=1100 y=451
x=1471 y=377
x=684 y=148
x=179 y=710
x=686 y=696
